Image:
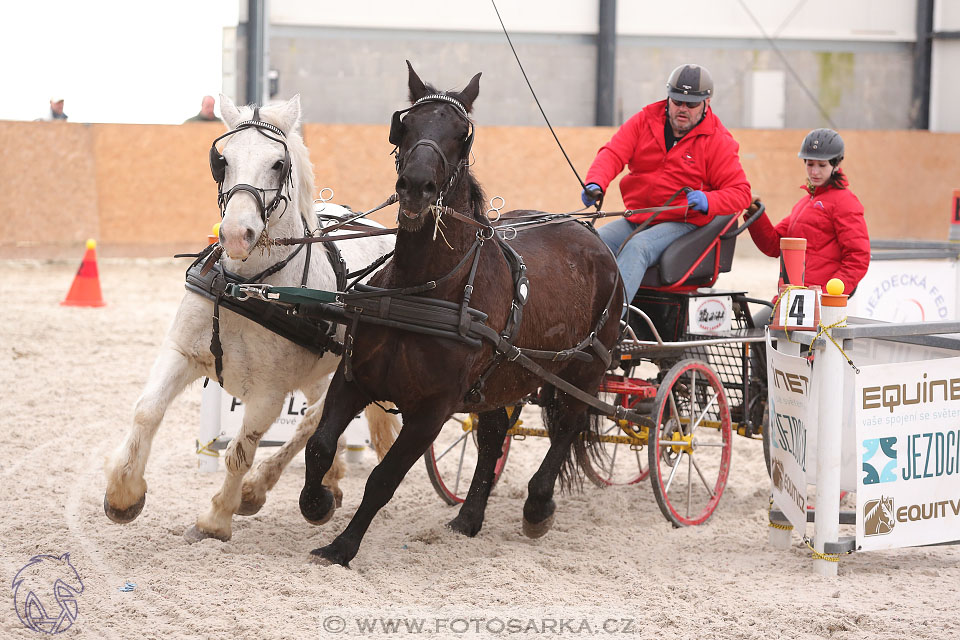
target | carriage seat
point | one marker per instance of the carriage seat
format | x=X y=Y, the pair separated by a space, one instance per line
x=678 y=257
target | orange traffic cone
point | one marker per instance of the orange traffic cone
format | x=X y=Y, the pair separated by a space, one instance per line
x=85 y=290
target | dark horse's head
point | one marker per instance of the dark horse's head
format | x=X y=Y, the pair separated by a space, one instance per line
x=433 y=139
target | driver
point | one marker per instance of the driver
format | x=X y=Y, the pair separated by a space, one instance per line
x=671 y=145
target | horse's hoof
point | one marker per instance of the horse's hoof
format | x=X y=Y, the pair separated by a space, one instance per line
x=248 y=508
x=123 y=516
x=464 y=528
x=317 y=509
x=193 y=534
x=328 y=556
x=537 y=530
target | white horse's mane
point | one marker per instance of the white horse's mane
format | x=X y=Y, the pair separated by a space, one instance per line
x=301 y=167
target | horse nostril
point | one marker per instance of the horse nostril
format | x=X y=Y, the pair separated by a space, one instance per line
x=248 y=236
x=430 y=189
x=402 y=185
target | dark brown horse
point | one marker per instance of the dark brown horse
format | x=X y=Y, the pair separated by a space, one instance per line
x=573 y=286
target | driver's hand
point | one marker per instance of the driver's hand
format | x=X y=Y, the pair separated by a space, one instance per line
x=754 y=206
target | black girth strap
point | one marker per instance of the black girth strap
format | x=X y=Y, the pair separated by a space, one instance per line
x=318 y=337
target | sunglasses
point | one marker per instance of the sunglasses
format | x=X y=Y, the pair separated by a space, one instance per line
x=688 y=105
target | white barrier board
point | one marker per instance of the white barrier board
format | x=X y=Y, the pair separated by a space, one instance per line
x=792 y=402
x=908 y=431
x=221 y=416
x=907 y=291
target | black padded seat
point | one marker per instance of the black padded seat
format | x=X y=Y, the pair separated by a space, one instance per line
x=678 y=257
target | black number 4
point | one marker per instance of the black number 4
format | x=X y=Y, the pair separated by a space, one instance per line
x=796 y=310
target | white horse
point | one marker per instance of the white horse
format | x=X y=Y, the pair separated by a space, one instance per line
x=258 y=204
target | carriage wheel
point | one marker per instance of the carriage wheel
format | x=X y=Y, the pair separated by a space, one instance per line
x=452 y=458
x=618 y=463
x=689 y=454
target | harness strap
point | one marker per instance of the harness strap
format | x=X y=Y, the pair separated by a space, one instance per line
x=312 y=239
x=360 y=274
x=646 y=223
x=216 y=348
x=464 y=324
x=513 y=354
x=420 y=288
x=348 y=346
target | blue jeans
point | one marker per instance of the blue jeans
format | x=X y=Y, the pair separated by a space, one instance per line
x=643 y=250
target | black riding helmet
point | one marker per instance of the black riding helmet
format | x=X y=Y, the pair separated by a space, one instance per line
x=822 y=144
x=690 y=83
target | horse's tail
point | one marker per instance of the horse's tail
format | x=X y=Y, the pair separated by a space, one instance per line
x=582 y=426
x=384 y=428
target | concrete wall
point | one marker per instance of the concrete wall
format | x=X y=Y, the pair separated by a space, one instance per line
x=146 y=190
x=357 y=75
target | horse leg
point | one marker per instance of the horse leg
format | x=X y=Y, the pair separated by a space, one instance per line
x=492 y=428
x=566 y=418
x=318 y=501
x=265 y=474
x=126 y=490
x=416 y=435
x=259 y=414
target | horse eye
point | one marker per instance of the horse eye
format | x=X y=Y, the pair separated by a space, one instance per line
x=278 y=165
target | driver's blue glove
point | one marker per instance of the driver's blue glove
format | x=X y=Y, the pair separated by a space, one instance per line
x=590 y=194
x=698 y=200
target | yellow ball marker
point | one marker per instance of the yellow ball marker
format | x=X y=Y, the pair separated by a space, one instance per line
x=835 y=286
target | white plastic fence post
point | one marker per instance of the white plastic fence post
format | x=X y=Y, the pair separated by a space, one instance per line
x=209 y=425
x=828 y=369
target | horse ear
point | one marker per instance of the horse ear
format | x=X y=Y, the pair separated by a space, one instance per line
x=229 y=111
x=470 y=92
x=417 y=90
x=289 y=114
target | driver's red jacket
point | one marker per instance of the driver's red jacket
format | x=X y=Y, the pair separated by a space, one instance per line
x=705 y=159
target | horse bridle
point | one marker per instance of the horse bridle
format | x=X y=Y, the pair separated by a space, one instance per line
x=218 y=168
x=396 y=137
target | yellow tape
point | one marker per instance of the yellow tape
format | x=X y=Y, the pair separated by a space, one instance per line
x=206 y=450
x=842 y=322
x=817 y=555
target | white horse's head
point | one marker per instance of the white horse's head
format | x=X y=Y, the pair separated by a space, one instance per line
x=267 y=178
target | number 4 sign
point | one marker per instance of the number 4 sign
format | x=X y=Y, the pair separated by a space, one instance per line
x=797 y=309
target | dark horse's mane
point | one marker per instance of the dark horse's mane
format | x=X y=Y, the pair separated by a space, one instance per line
x=478 y=199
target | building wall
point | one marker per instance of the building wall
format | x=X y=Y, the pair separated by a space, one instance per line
x=146 y=190
x=357 y=75
x=848 y=66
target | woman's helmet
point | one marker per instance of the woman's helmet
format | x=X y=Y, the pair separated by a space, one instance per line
x=822 y=144
x=690 y=83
